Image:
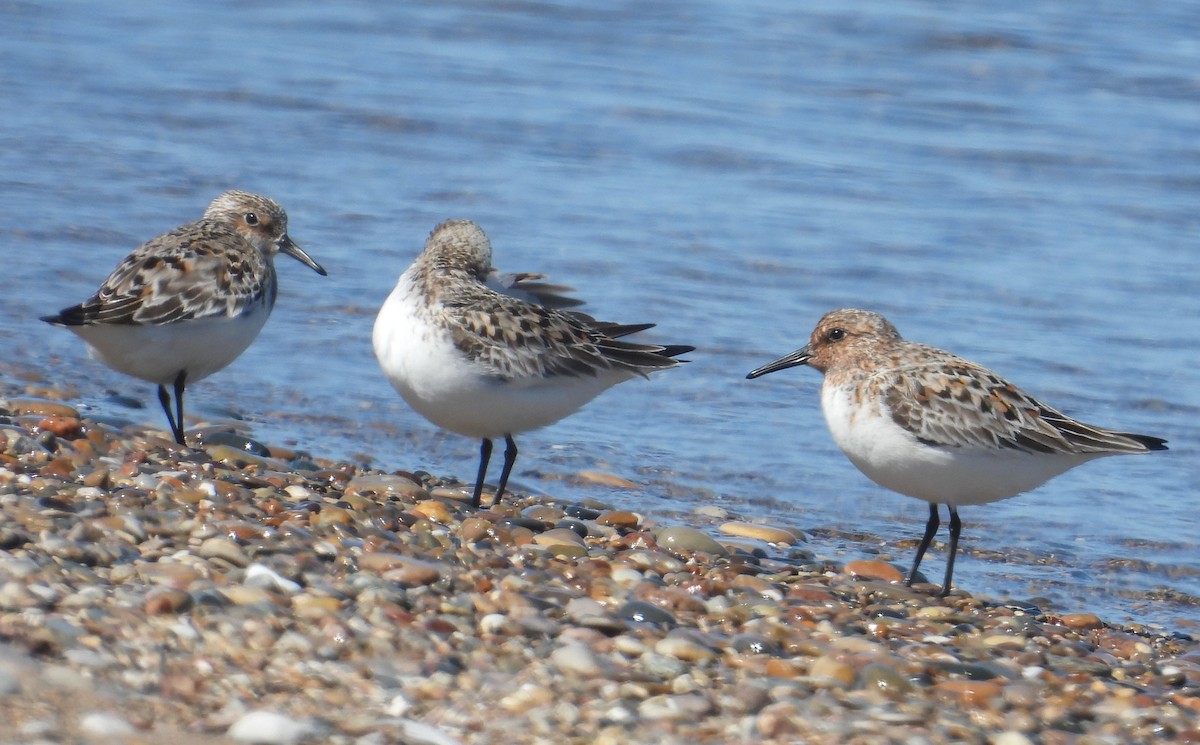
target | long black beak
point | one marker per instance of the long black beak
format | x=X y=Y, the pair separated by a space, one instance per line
x=291 y=249
x=799 y=357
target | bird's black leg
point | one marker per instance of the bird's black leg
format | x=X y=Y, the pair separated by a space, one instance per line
x=955 y=529
x=174 y=418
x=510 y=457
x=485 y=455
x=180 y=380
x=930 y=530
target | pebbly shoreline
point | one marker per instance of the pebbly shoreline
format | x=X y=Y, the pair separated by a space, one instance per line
x=242 y=593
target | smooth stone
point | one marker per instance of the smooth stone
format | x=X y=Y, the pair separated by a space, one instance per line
x=238 y=458
x=684 y=538
x=558 y=537
x=330 y=516
x=975 y=693
x=580 y=512
x=66 y=427
x=620 y=519
x=684 y=649
x=266 y=578
x=241 y=595
x=270 y=728
x=376 y=485
x=235 y=441
x=169 y=574
x=567 y=551
x=760 y=532
x=434 y=510
x=688 y=706
x=831 y=669
x=878 y=677
x=640 y=611
x=605 y=479
x=1009 y=738
x=218 y=547
x=105 y=725
x=404 y=570
x=30 y=406
x=873 y=569
x=1082 y=621
x=543 y=512
x=754 y=644
x=578 y=658
x=165 y=600
x=315 y=606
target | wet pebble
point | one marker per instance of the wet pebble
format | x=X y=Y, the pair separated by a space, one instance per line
x=688 y=539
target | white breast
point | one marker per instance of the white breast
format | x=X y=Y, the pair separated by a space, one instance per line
x=893 y=457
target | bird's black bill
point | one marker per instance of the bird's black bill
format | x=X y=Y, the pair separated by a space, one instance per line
x=297 y=253
x=799 y=357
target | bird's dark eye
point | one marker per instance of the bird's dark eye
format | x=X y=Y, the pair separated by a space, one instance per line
x=836 y=334
x=251 y=219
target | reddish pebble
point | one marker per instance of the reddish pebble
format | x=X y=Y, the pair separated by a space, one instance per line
x=873 y=570
x=1082 y=621
x=66 y=427
x=970 y=692
x=619 y=519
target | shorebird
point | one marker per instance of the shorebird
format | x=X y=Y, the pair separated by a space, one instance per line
x=184 y=305
x=931 y=425
x=487 y=356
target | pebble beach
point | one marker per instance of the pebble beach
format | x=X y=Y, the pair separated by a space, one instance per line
x=235 y=592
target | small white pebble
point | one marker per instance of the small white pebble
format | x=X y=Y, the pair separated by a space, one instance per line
x=418 y=733
x=398 y=706
x=1009 y=738
x=103 y=724
x=577 y=658
x=265 y=578
x=270 y=728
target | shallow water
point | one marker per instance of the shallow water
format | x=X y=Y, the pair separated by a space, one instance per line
x=1018 y=185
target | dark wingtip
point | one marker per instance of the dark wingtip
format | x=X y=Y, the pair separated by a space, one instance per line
x=63 y=318
x=1151 y=443
x=674 y=350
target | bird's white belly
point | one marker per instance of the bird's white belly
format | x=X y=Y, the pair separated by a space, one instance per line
x=893 y=457
x=440 y=383
x=157 y=353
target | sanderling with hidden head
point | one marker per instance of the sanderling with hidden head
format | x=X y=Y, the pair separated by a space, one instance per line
x=487 y=355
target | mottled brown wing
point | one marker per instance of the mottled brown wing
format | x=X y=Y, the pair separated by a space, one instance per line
x=196 y=271
x=520 y=340
x=957 y=404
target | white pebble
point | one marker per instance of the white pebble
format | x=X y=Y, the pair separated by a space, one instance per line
x=1009 y=738
x=418 y=733
x=270 y=728
x=103 y=724
x=265 y=578
x=577 y=658
x=398 y=706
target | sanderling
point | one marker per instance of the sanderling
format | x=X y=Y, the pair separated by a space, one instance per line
x=187 y=303
x=488 y=355
x=934 y=426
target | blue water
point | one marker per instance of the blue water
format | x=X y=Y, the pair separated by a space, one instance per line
x=1018 y=184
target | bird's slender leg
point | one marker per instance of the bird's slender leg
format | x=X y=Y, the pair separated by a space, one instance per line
x=485 y=455
x=510 y=457
x=930 y=530
x=174 y=418
x=955 y=529
x=180 y=380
